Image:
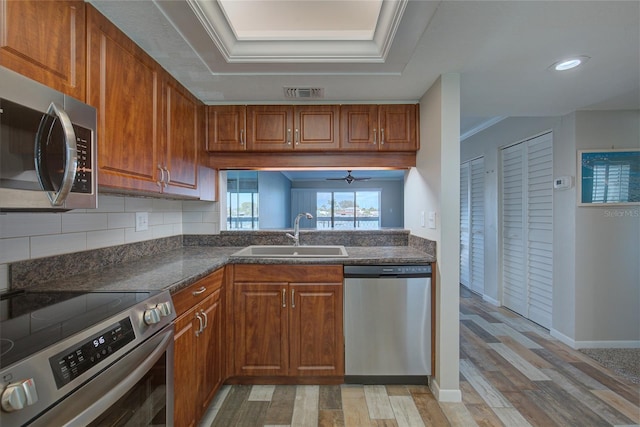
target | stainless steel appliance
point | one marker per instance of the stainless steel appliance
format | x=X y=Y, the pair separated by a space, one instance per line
x=387 y=324
x=78 y=359
x=47 y=147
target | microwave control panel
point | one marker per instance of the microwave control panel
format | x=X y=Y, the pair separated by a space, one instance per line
x=84 y=174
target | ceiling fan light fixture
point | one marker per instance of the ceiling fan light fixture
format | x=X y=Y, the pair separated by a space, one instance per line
x=569 y=63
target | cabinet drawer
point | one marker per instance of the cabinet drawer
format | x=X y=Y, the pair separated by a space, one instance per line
x=290 y=273
x=196 y=293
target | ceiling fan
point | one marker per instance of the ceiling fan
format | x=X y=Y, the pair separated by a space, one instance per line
x=349 y=178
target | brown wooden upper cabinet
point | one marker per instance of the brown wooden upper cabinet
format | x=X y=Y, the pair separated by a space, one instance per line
x=45 y=41
x=269 y=128
x=148 y=125
x=226 y=128
x=183 y=130
x=386 y=127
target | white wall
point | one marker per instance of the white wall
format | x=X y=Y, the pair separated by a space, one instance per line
x=434 y=185
x=590 y=248
x=607 y=245
x=35 y=235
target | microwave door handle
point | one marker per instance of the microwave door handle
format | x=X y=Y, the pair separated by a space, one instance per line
x=71 y=155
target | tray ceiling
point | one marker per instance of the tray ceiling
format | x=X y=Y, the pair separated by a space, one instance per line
x=501 y=49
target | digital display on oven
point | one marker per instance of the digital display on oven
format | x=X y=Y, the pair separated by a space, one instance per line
x=77 y=360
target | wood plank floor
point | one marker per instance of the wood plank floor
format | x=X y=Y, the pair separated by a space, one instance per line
x=512 y=373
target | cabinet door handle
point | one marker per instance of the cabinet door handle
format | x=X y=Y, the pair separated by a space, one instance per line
x=284 y=298
x=241 y=136
x=382 y=136
x=297 y=137
x=206 y=319
x=161 y=176
x=293 y=298
x=199 y=291
x=375 y=139
x=199 y=331
x=168 y=181
x=289 y=136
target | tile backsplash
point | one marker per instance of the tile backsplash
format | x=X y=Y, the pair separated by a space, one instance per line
x=35 y=235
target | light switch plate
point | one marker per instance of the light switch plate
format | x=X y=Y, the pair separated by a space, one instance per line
x=431 y=220
x=142 y=221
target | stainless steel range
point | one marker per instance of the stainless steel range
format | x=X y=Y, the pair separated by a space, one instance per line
x=92 y=358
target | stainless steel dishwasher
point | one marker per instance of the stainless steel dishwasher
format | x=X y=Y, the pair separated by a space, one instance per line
x=387 y=324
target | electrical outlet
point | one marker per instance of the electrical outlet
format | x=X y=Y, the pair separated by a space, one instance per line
x=142 y=221
x=421 y=218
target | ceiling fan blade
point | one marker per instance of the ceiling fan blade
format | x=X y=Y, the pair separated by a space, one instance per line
x=349 y=178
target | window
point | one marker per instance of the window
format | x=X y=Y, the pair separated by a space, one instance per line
x=348 y=209
x=242 y=200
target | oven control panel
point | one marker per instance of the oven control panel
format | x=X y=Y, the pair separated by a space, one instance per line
x=75 y=361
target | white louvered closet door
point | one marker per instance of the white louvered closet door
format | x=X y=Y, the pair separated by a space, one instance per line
x=527 y=234
x=540 y=228
x=472 y=225
x=465 y=227
x=476 y=210
x=514 y=293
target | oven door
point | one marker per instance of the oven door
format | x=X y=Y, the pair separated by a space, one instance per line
x=137 y=390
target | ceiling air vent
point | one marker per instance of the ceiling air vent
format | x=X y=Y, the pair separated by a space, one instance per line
x=303 y=93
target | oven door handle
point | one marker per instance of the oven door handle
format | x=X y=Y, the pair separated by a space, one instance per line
x=90 y=401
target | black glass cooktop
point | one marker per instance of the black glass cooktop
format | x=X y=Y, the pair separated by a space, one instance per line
x=32 y=321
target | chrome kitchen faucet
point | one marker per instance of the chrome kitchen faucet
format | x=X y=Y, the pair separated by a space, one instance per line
x=296 y=228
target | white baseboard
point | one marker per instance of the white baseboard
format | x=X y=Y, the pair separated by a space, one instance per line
x=562 y=338
x=452 y=395
x=593 y=344
x=491 y=301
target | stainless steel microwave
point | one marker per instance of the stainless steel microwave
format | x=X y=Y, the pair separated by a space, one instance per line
x=47 y=148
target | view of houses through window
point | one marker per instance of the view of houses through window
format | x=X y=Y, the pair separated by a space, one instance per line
x=242 y=200
x=242 y=211
x=348 y=209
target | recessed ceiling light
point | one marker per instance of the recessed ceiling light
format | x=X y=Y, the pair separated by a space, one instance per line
x=569 y=63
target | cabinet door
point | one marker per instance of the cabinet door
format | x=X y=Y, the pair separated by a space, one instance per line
x=182 y=137
x=45 y=41
x=359 y=127
x=185 y=370
x=209 y=351
x=270 y=127
x=261 y=329
x=123 y=86
x=316 y=127
x=226 y=128
x=398 y=127
x=317 y=342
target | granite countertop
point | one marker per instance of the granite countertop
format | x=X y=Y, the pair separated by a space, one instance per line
x=178 y=268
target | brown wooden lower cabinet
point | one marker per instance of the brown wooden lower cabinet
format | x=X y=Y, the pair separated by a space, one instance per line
x=197 y=349
x=288 y=321
x=282 y=324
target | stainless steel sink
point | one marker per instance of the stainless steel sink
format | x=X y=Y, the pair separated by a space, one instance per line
x=279 y=251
